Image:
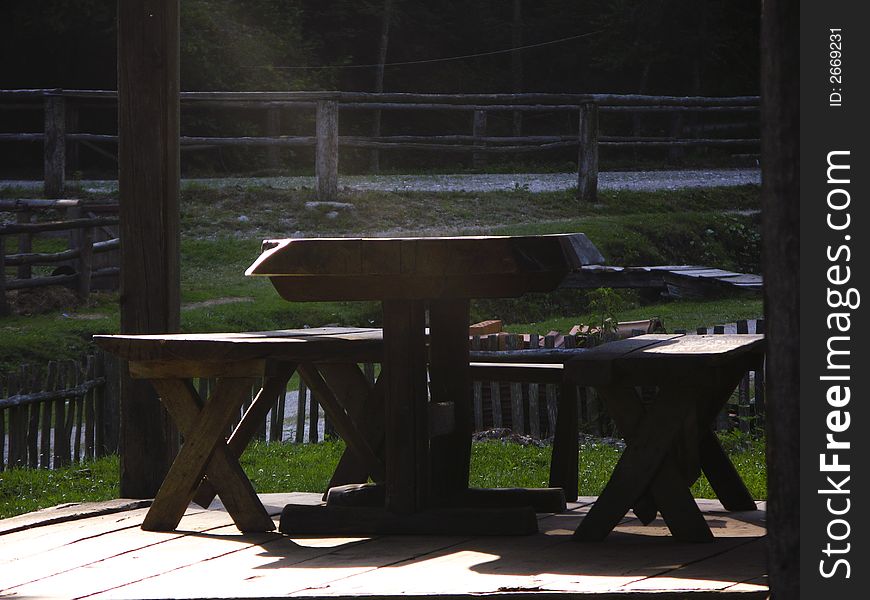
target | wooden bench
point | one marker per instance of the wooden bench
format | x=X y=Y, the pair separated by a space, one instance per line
x=670 y=441
x=564 y=462
x=207 y=462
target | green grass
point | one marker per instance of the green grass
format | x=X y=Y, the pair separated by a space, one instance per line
x=307 y=467
x=26 y=490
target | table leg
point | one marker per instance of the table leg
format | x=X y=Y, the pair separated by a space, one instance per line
x=204 y=451
x=365 y=405
x=273 y=385
x=407 y=425
x=450 y=383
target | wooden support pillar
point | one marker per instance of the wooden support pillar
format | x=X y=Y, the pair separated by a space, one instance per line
x=780 y=201
x=54 y=145
x=478 y=130
x=148 y=181
x=326 y=161
x=404 y=370
x=587 y=162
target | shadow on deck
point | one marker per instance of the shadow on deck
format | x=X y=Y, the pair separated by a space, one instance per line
x=99 y=551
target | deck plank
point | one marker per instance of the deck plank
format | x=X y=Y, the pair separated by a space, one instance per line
x=108 y=556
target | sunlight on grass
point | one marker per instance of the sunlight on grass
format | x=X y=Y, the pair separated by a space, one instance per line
x=307 y=468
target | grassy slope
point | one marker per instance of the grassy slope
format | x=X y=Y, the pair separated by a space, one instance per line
x=222 y=230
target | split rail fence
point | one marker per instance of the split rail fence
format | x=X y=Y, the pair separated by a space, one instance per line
x=89 y=234
x=61 y=108
x=69 y=411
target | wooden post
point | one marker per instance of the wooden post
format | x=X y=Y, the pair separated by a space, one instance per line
x=72 y=126
x=148 y=181
x=301 y=399
x=478 y=130
x=25 y=244
x=326 y=161
x=404 y=367
x=587 y=162
x=54 y=145
x=780 y=200
x=273 y=129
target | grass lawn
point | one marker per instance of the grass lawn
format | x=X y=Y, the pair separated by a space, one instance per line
x=306 y=468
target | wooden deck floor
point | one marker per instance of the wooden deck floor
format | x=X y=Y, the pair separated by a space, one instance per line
x=100 y=554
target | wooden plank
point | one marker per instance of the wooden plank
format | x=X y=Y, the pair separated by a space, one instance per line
x=407 y=432
x=33 y=422
x=90 y=411
x=325 y=344
x=450 y=385
x=345 y=520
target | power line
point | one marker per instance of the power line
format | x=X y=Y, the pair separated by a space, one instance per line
x=432 y=60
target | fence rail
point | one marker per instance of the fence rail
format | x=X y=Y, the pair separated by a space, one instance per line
x=84 y=227
x=60 y=110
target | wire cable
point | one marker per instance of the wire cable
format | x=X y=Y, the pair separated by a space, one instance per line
x=430 y=60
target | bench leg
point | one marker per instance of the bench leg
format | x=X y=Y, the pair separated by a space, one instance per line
x=250 y=423
x=365 y=405
x=564 y=463
x=720 y=472
x=344 y=424
x=647 y=464
x=204 y=452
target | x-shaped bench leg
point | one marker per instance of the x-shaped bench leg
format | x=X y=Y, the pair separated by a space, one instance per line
x=252 y=420
x=204 y=451
x=647 y=467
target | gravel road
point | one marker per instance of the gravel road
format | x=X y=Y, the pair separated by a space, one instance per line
x=533 y=182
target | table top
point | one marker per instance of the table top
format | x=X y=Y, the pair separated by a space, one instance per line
x=660 y=357
x=313 y=269
x=294 y=345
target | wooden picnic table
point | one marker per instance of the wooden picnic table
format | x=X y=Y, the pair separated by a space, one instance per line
x=207 y=463
x=670 y=438
x=427 y=443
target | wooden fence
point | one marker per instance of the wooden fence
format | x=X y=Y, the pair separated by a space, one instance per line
x=60 y=414
x=77 y=266
x=61 y=117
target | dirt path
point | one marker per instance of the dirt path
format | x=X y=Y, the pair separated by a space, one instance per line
x=491 y=182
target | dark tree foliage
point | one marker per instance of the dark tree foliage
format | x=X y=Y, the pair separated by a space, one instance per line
x=658 y=46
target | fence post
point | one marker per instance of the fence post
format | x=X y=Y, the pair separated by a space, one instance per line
x=478 y=130
x=326 y=161
x=587 y=161
x=54 y=145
